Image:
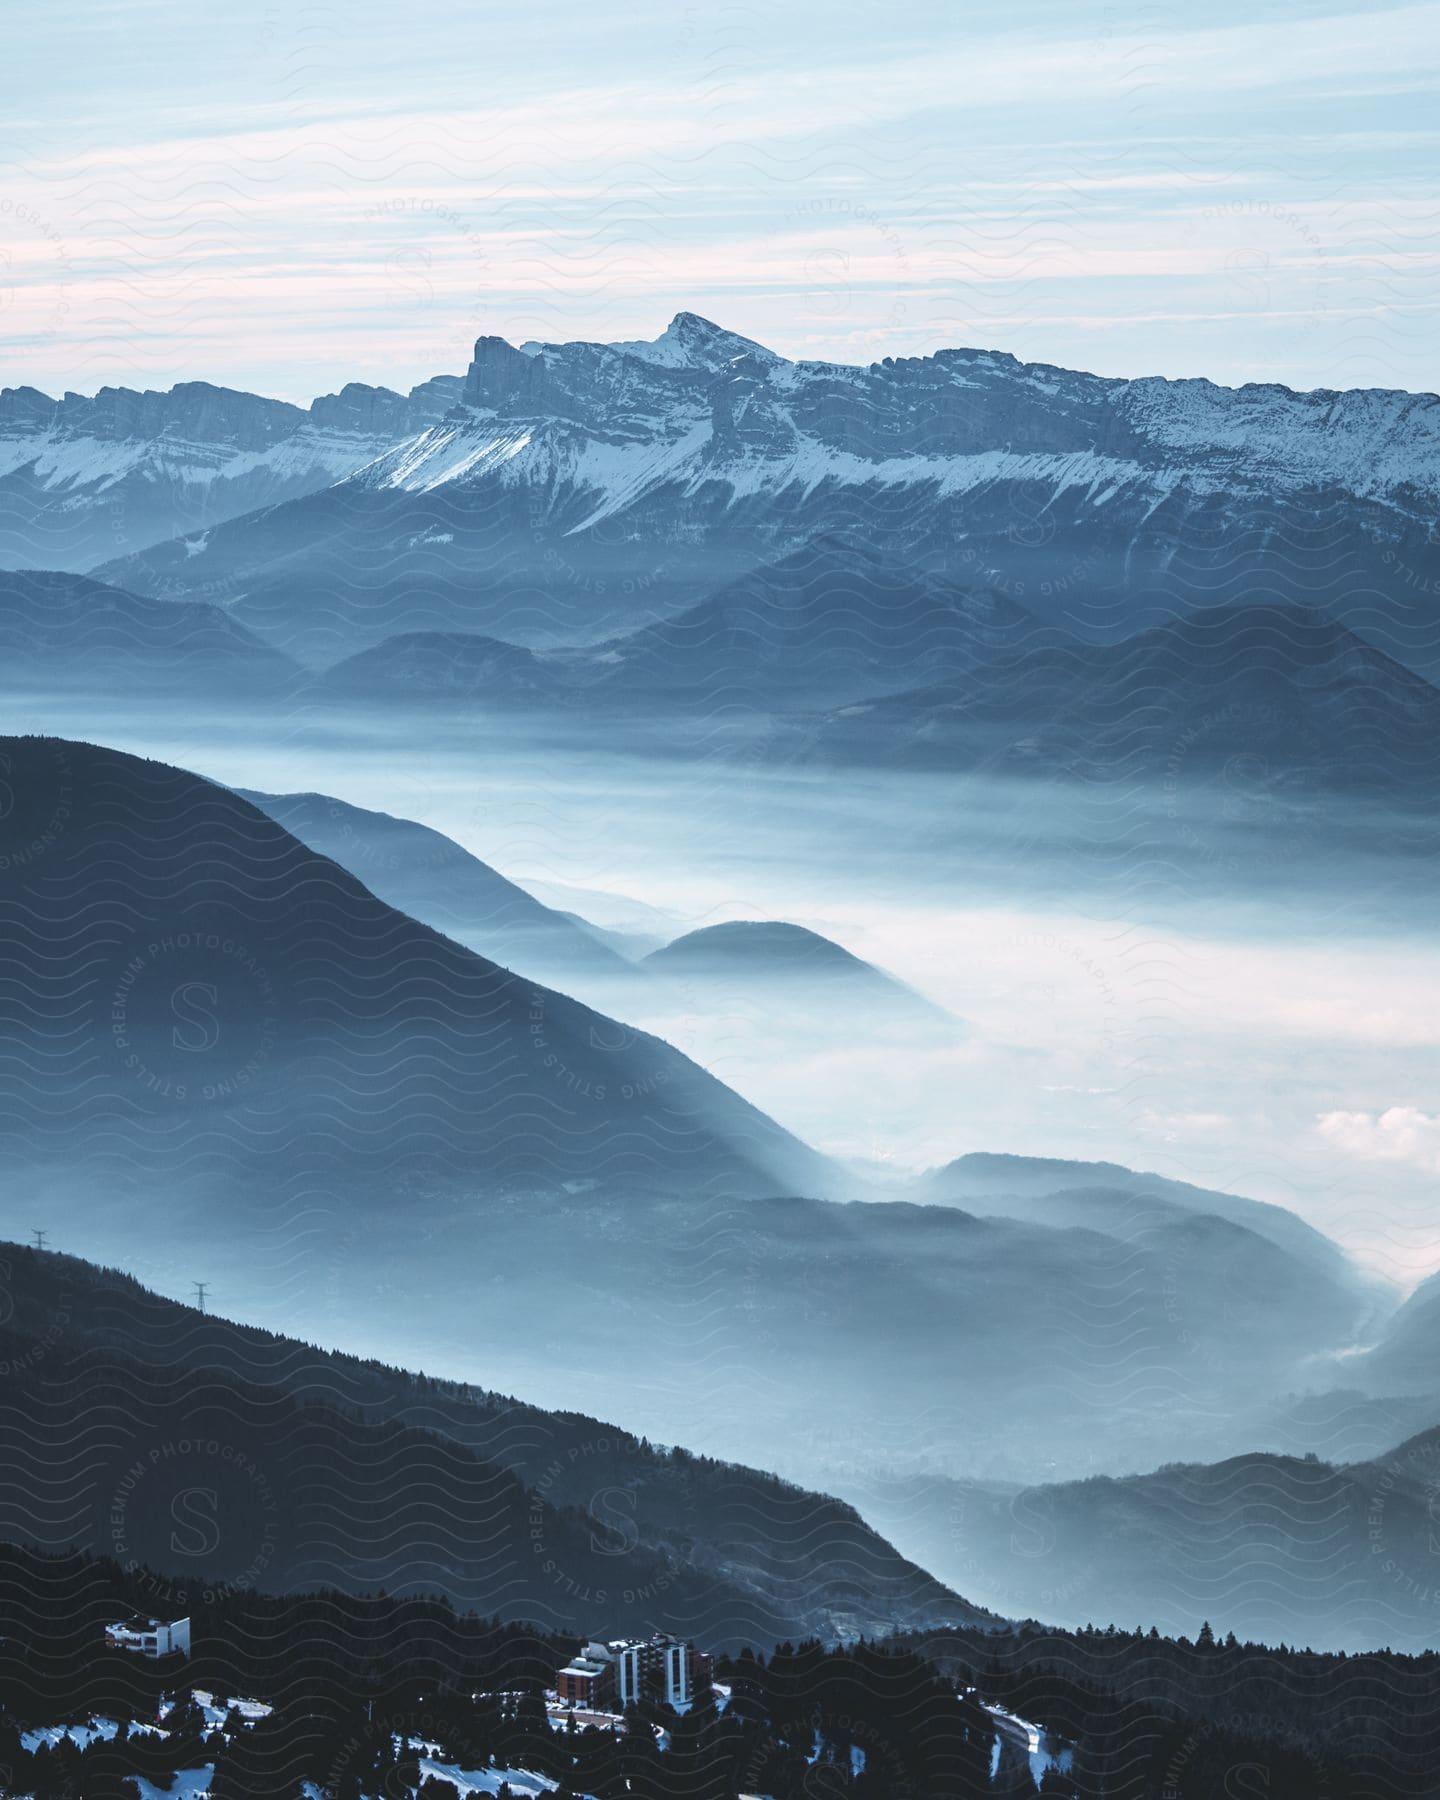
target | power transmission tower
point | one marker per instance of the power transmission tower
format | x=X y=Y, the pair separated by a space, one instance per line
x=40 y=1237
x=200 y=1287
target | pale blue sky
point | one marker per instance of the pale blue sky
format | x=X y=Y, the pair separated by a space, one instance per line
x=285 y=198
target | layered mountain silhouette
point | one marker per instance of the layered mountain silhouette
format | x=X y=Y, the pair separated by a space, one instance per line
x=796 y=976
x=173 y=1440
x=1264 y=708
x=1125 y=1202
x=206 y=1019
x=578 y=489
x=1278 y=1548
x=69 y=633
x=1271 y=703
x=186 y=977
x=331 y=1063
x=831 y=622
x=437 y=667
x=1405 y=1359
x=422 y=872
x=922 y=1334
x=85 y=479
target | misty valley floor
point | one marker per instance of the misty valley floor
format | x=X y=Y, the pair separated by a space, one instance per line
x=1157 y=980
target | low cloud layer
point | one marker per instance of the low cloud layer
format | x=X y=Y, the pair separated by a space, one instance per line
x=1400 y=1134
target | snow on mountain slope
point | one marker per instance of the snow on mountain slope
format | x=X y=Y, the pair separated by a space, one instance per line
x=582 y=488
x=1370 y=440
x=733 y=409
x=701 y=405
x=86 y=479
x=687 y=342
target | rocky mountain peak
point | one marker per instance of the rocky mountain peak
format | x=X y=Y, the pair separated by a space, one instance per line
x=699 y=343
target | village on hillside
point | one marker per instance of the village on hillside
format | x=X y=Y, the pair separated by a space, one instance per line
x=627 y=1706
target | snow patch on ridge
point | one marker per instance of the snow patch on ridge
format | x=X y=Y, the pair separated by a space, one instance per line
x=446 y=454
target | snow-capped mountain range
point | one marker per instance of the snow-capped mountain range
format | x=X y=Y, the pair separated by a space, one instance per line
x=565 y=490
x=623 y=421
x=83 y=480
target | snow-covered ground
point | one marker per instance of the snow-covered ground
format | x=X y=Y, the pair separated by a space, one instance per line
x=560 y=1716
x=485 y=1781
x=189 y=1784
x=466 y=1781
x=1043 y=1750
x=216 y=1712
x=81 y=1735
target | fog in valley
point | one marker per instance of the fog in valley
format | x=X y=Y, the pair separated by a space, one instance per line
x=1150 y=978
x=719 y=991
x=1033 y=1002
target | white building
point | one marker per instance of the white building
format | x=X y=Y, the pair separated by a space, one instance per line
x=626 y=1670
x=663 y=1666
x=150 y=1637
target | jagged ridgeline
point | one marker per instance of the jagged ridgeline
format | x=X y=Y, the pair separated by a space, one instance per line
x=86 y=479
x=566 y=490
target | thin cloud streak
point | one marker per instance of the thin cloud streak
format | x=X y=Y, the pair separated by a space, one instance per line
x=1011 y=189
